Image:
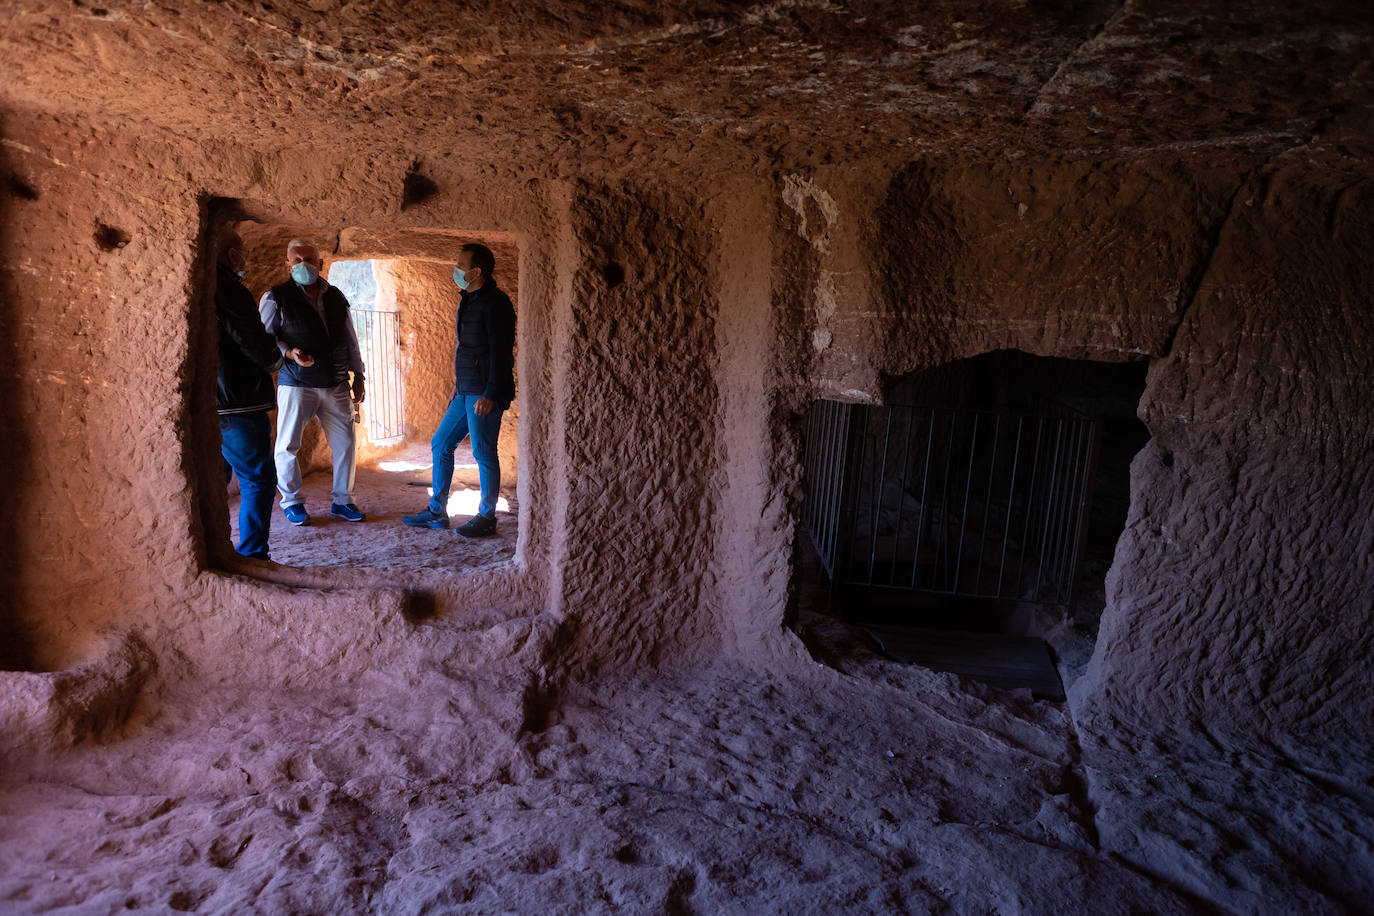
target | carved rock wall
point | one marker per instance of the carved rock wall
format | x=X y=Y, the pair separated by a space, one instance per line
x=670 y=338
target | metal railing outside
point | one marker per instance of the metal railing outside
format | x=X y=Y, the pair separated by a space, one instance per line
x=826 y=442
x=379 y=339
x=965 y=503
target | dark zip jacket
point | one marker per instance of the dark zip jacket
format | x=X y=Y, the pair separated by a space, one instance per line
x=247 y=353
x=484 y=360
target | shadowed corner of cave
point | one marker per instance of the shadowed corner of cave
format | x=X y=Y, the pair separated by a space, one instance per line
x=202 y=454
x=17 y=192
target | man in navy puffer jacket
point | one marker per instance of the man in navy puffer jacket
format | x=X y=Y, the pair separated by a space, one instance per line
x=484 y=385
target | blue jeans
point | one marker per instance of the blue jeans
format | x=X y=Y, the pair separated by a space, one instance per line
x=246 y=444
x=459 y=421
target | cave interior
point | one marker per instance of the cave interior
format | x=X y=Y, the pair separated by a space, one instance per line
x=1096 y=274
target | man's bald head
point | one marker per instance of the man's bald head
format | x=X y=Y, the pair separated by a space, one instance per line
x=229 y=250
x=228 y=239
x=304 y=247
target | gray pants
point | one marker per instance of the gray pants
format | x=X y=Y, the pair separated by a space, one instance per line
x=334 y=407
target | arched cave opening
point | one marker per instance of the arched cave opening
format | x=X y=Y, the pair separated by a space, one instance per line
x=403 y=303
x=967 y=523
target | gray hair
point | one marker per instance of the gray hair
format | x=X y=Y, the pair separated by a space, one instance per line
x=302 y=243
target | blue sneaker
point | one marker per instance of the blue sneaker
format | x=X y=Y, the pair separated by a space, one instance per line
x=346 y=511
x=296 y=514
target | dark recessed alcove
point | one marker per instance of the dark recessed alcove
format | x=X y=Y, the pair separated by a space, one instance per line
x=984 y=496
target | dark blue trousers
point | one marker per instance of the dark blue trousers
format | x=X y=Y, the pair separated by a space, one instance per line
x=460 y=419
x=246 y=444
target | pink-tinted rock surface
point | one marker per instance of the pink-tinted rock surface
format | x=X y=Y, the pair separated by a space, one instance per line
x=709 y=215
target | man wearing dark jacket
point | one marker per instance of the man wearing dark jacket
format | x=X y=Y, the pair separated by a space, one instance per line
x=484 y=385
x=247 y=353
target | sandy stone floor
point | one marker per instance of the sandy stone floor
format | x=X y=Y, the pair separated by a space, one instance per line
x=721 y=791
x=880 y=788
x=853 y=786
x=388 y=489
x=460 y=777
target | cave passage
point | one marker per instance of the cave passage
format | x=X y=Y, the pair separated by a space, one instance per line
x=376 y=321
x=402 y=308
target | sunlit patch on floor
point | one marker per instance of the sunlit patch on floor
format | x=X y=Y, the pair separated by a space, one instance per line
x=402 y=465
x=464 y=502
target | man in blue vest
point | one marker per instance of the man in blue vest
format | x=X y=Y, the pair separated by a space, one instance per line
x=314 y=330
x=484 y=386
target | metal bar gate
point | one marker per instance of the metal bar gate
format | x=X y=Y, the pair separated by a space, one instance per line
x=379 y=339
x=951 y=502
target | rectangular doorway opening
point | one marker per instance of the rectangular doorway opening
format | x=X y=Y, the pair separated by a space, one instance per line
x=402 y=303
x=377 y=321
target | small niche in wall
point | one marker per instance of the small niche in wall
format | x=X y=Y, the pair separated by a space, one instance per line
x=110 y=238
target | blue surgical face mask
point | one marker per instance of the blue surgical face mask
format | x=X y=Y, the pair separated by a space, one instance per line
x=304 y=274
x=240 y=273
x=460 y=277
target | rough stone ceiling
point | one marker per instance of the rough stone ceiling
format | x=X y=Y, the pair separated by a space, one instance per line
x=548 y=86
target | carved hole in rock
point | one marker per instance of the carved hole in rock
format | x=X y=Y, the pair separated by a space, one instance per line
x=417 y=188
x=21 y=188
x=403 y=304
x=110 y=238
x=972 y=517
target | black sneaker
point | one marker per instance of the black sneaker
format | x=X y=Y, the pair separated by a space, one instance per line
x=425 y=519
x=479 y=526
